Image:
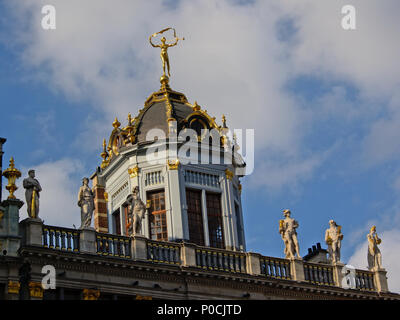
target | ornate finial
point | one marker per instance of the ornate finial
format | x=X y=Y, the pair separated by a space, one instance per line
x=104 y=155
x=164 y=50
x=196 y=107
x=116 y=123
x=12 y=174
x=223 y=121
x=129 y=119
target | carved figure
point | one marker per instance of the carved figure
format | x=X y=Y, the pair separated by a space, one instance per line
x=164 y=48
x=287 y=229
x=374 y=254
x=333 y=238
x=32 y=195
x=86 y=202
x=136 y=212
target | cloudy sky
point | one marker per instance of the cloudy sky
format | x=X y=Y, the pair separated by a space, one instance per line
x=324 y=103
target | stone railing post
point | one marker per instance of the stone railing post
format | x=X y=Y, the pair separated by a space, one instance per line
x=253 y=263
x=380 y=279
x=338 y=273
x=188 y=254
x=139 y=248
x=87 y=241
x=297 y=269
x=9 y=233
x=32 y=231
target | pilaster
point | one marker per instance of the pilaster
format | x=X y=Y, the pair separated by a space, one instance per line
x=338 y=273
x=100 y=205
x=188 y=254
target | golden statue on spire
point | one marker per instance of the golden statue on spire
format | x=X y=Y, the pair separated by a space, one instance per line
x=164 y=47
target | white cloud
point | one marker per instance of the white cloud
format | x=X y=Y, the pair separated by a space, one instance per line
x=58 y=199
x=231 y=62
x=390 y=249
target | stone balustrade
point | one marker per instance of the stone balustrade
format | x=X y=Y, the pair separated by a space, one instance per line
x=163 y=252
x=275 y=267
x=319 y=273
x=222 y=260
x=189 y=255
x=60 y=238
x=365 y=280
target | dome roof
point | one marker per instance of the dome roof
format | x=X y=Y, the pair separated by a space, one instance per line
x=160 y=108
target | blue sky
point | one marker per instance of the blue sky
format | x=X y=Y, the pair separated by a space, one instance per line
x=323 y=101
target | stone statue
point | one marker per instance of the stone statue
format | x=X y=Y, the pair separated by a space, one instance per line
x=374 y=254
x=333 y=238
x=164 y=47
x=287 y=229
x=32 y=191
x=86 y=202
x=136 y=212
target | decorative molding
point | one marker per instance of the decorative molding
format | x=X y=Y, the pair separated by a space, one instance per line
x=229 y=174
x=36 y=290
x=90 y=294
x=133 y=172
x=13 y=287
x=173 y=165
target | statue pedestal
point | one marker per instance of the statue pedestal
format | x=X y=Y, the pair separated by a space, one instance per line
x=380 y=280
x=87 y=240
x=297 y=269
x=253 y=263
x=338 y=273
x=188 y=254
x=32 y=231
x=139 y=248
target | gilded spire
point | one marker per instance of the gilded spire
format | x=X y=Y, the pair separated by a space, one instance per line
x=223 y=121
x=104 y=155
x=12 y=174
x=116 y=123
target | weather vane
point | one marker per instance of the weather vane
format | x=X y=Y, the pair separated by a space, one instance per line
x=164 y=47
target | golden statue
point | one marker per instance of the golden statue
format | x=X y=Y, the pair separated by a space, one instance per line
x=164 y=47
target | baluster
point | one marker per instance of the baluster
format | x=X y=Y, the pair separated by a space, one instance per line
x=69 y=245
x=330 y=277
x=57 y=239
x=51 y=239
x=104 y=245
x=63 y=246
x=370 y=282
x=203 y=259
x=45 y=233
x=75 y=240
x=98 y=241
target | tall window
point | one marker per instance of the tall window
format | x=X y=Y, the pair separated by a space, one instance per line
x=158 y=216
x=239 y=225
x=195 y=217
x=214 y=214
x=117 y=221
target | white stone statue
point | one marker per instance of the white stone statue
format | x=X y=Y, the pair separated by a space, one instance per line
x=374 y=254
x=333 y=238
x=33 y=188
x=86 y=202
x=136 y=212
x=287 y=229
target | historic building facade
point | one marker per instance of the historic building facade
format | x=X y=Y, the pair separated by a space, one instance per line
x=168 y=224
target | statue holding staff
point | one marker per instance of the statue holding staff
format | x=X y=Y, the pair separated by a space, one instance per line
x=32 y=195
x=86 y=202
x=164 y=48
